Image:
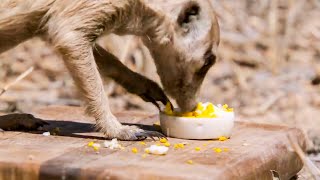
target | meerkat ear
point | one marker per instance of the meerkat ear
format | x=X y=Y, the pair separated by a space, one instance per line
x=189 y=13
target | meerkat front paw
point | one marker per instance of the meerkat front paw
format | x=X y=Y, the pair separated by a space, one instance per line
x=133 y=133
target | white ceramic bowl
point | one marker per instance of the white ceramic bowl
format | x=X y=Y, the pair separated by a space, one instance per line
x=197 y=128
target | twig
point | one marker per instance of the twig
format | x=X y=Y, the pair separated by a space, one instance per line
x=19 y=78
x=315 y=172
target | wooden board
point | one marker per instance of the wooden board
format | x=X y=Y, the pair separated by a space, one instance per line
x=253 y=151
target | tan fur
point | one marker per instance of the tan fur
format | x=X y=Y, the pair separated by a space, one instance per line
x=72 y=28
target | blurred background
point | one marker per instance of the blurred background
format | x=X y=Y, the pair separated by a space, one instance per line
x=268 y=67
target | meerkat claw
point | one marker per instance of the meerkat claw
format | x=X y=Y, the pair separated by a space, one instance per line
x=150 y=134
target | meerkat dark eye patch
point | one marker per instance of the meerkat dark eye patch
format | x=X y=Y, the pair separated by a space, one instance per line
x=209 y=60
x=189 y=12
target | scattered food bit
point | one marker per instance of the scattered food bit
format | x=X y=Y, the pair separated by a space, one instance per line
x=217 y=150
x=167 y=144
x=168 y=110
x=142 y=143
x=189 y=162
x=147 y=150
x=222 y=138
x=225 y=149
x=46 y=133
x=178 y=146
x=134 y=150
x=204 y=145
x=157 y=123
x=96 y=148
x=158 y=150
x=113 y=144
x=163 y=140
x=197 y=148
x=96 y=145
x=90 y=144
x=225 y=107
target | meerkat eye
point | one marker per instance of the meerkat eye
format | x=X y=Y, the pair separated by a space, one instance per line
x=188 y=14
x=209 y=60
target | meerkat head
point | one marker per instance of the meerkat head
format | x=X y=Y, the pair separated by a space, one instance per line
x=183 y=62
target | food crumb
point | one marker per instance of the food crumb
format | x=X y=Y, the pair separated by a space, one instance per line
x=167 y=144
x=225 y=149
x=147 y=151
x=179 y=145
x=189 y=162
x=96 y=148
x=90 y=144
x=157 y=150
x=113 y=144
x=46 y=133
x=163 y=140
x=142 y=143
x=204 y=145
x=222 y=138
x=134 y=150
x=197 y=148
x=217 y=150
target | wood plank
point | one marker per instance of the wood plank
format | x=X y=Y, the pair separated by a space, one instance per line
x=253 y=151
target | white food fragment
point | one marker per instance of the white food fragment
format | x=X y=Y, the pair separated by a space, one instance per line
x=113 y=144
x=46 y=133
x=96 y=145
x=158 y=150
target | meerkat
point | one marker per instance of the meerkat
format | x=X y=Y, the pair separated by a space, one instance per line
x=182 y=37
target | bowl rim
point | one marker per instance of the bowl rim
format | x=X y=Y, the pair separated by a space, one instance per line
x=196 y=118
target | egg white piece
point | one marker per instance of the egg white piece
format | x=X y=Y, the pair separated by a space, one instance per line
x=158 y=150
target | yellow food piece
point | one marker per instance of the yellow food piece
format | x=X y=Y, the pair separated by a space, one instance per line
x=90 y=144
x=179 y=145
x=163 y=140
x=96 y=148
x=189 y=162
x=147 y=151
x=222 y=138
x=201 y=111
x=204 y=145
x=142 y=143
x=217 y=150
x=168 y=109
x=225 y=107
x=134 y=150
x=225 y=149
x=167 y=144
x=197 y=148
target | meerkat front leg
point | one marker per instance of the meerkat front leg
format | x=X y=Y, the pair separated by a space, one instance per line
x=79 y=59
